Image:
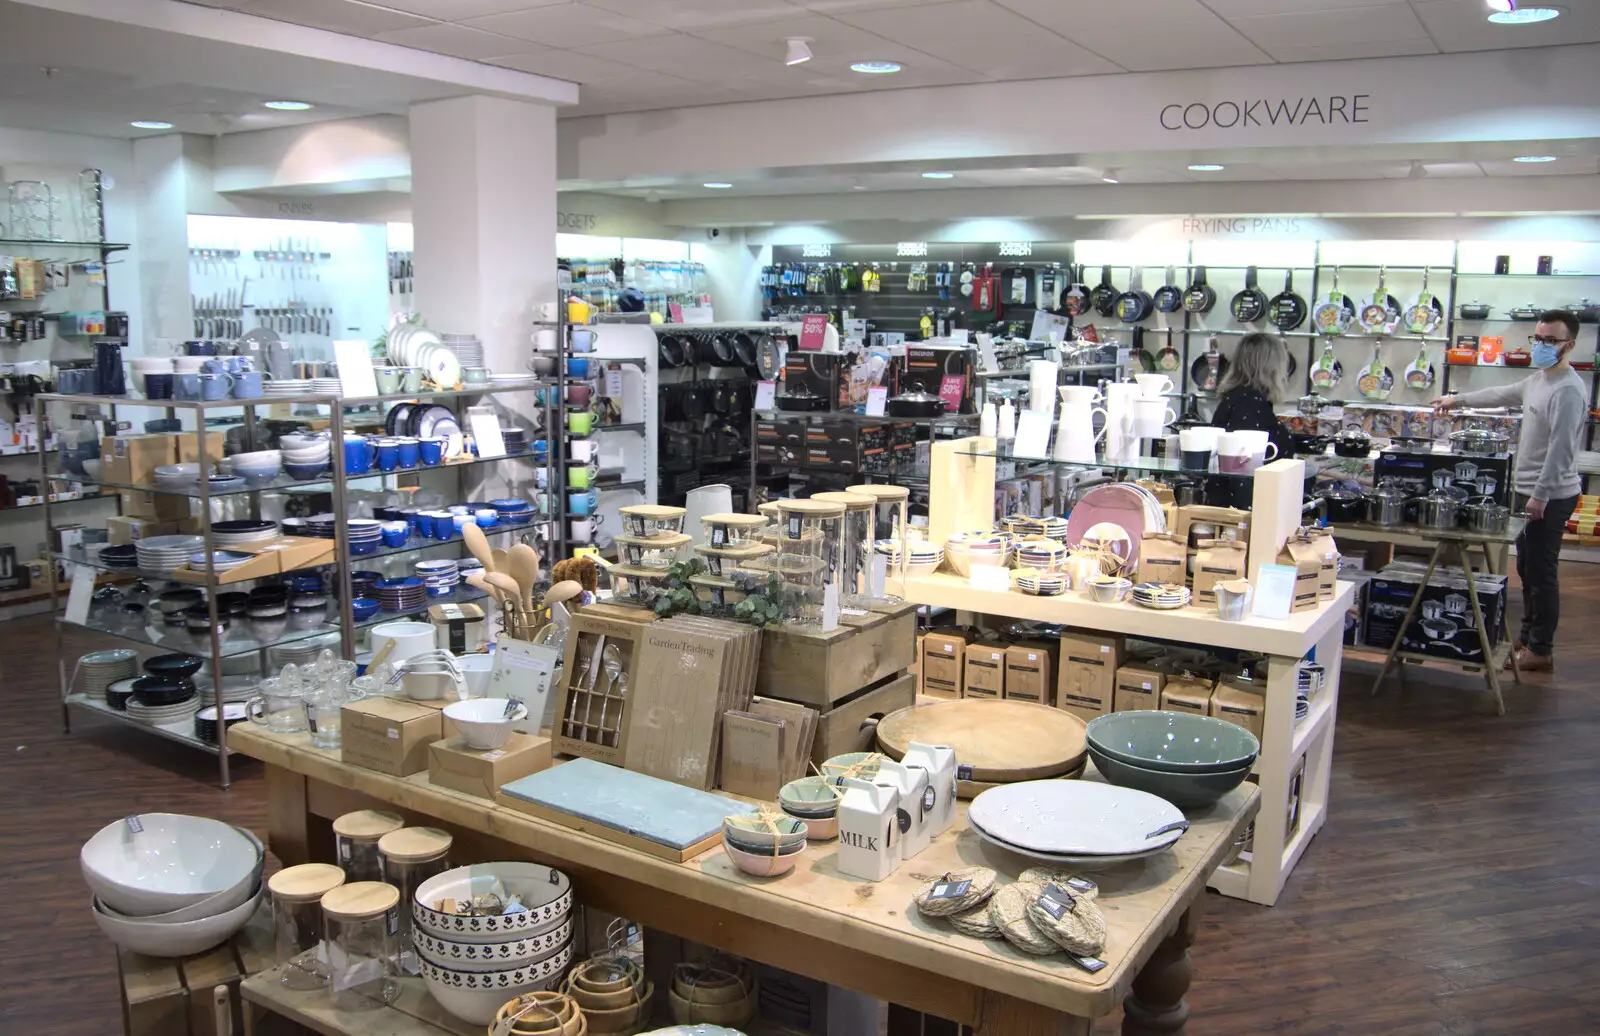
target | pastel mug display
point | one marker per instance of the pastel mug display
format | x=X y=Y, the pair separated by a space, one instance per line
x=580 y=367
x=475 y=375
x=582 y=504
x=585 y=450
x=217 y=365
x=579 y=394
x=186 y=386
x=250 y=384
x=580 y=422
x=215 y=386
x=410 y=379
x=581 y=476
x=582 y=530
x=582 y=340
x=389 y=379
x=1151 y=417
x=1241 y=452
x=431 y=451
x=359 y=454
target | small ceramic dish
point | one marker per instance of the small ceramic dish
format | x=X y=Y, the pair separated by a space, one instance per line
x=810 y=795
x=750 y=830
x=1108 y=589
x=864 y=764
x=762 y=865
x=818 y=828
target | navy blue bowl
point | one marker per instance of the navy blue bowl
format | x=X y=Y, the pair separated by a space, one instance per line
x=363 y=608
x=160 y=690
x=173 y=666
x=304 y=472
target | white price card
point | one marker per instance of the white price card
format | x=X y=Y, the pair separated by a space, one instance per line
x=877 y=400
x=613 y=384
x=485 y=424
x=1274 y=592
x=82 y=593
x=830 y=608
x=989 y=577
x=356 y=379
x=525 y=671
x=766 y=393
x=1033 y=435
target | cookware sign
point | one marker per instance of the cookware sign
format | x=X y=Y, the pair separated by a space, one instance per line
x=1331 y=110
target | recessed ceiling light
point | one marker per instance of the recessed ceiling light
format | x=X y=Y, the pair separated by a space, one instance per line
x=1205 y=167
x=798 y=53
x=875 y=68
x=150 y=124
x=1534 y=158
x=938 y=176
x=287 y=106
x=717 y=186
x=1524 y=15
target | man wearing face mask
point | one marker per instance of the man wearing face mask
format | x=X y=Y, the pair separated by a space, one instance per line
x=1553 y=404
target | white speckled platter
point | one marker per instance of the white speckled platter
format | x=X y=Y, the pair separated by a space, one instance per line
x=1075 y=818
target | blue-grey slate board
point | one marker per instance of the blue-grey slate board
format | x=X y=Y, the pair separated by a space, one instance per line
x=635 y=803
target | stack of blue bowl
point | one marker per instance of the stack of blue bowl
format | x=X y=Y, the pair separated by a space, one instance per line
x=1191 y=761
x=440 y=576
x=513 y=512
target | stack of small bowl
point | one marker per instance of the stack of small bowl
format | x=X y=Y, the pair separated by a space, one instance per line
x=717 y=992
x=171 y=885
x=764 y=844
x=1042 y=585
x=304 y=456
x=101 y=669
x=540 y=1013
x=1045 y=556
x=965 y=549
x=612 y=993
x=814 y=801
x=1191 y=761
x=473 y=963
x=257 y=467
x=924 y=560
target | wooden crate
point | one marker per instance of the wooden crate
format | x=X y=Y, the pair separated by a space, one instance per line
x=846 y=727
x=165 y=996
x=818 y=669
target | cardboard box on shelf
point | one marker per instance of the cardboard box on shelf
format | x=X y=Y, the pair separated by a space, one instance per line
x=189 y=446
x=984 y=675
x=1163 y=558
x=1216 y=523
x=389 y=735
x=943 y=665
x=1242 y=703
x=1138 y=688
x=1187 y=692
x=122 y=529
x=452 y=764
x=132 y=460
x=1318 y=545
x=1028 y=676
x=1087 y=672
x=156 y=507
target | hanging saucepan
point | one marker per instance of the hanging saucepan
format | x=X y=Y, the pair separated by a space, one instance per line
x=1134 y=304
x=769 y=358
x=1327 y=372
x=671 y=350
x=1250 y=304
x=1419 y=376
x=1381 y=312
x=1140 y=354
x=1201 y=296
x=1104 y=295
x=1426 y=313
x=722 y=354
x=1169 y=297
x=1169 y=359
x=1075 y=301
x=744 y=349
x=1208 y=369
x=1287 y=310
x=1335 y=313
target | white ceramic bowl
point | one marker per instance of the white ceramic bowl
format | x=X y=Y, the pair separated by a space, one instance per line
x=211 y=905
x=475 y=996
x=491 y=956
x=296 y=441
x=546 y=892
x=155 y=939
x=176 y=861
x=483 y=721
x=258 y=459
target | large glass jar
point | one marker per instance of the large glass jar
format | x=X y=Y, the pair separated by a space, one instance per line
x=411 y=856
x=297 y=923
x=732 y=531
x=361 y=920
x=855 y=543
x=888 y=523
x=356 y=838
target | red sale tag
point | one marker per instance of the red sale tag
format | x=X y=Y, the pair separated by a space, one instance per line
x=951 y=389
x=813 y=332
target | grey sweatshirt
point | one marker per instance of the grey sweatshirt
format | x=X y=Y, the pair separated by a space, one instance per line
x=1553 y=407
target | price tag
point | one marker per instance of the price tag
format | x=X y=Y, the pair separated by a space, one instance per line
x=877 y=575
x=1274 y=593
x=946 y=889
x=766 y=393
x=877 y=400
x=813 y=332
x=830 y=608
x=613 y=384
x=1056 y=901
x=1089 y=964
x=952 y=387
x=1033 y=435
x=987 y=360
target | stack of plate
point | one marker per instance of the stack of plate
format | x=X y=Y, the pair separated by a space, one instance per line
x=1079 y=824
x=123 y=555
x=288 y=387
x=1164 y=596
x=467 y=348
x=118 y=694
x=366 y=534
x=503 y=381
x=441 y=576
x=407 y=594
x=413 y=346
x=243 y=532
x=221 y=560
x=153 y=715
x=325 y=386
x=101 y=669
x=1042 y=586
x=300 y=652
x=165 y=553
x=1047 y=526
x=1041 y=553
x=513 y=512
x=515 y=439
x=205 y=720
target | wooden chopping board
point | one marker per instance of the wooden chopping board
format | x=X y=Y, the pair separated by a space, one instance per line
x=1002 y=741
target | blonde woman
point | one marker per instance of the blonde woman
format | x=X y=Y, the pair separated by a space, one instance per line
x=1257 y=378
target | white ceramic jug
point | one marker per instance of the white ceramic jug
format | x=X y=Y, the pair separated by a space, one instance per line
x=938 y=805
x=1075 y=434
x=912 y=784
x=869 y=831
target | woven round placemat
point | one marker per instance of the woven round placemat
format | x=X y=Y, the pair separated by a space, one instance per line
x=976 y=923
x=1073 y=883
x=983 y=881
x=1080 y=930
x=1008 y=910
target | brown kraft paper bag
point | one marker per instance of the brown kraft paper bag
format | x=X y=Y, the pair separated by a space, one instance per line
x=1162 y=559
x=1217 y=561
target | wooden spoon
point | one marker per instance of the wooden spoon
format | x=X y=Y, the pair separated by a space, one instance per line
x=506 y=584
x=499 y=554
x=478 y=544
x=523 y=562
x=562 y=592
x=480 y=580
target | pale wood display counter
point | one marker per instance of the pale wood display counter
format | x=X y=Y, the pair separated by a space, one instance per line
x=815 y=921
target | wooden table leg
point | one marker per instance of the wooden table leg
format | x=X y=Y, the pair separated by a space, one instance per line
x=1405 y=623
x=1490 y=674
x=1007 y=1016
x=1156 y=1007
x=288 y=834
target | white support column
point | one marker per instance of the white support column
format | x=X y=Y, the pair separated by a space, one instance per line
x=483 y=193
x=162 y=170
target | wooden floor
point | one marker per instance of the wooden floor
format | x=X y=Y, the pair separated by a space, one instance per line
x=1453 y=891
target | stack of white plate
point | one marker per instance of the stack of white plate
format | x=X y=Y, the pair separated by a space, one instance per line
x=474 y=963
x=300 y=652
x=467 y=348
x=440 y=576
x=325 y=386
x=243 y=532
x=504 y=381
x=161 y=714
x=288 y=387
x=413 y=346
x=165 y=553
x=1162 y=596
x=1081 y=824
x=101 y=669
x=1042 y=585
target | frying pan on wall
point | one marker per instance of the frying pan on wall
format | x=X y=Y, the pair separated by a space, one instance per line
x=1134 y=304
x=1250 y=304
x=1104 y=295
x=1426 y=313
x=1380 y=313
x=744 y=349
x=1209 y=368
x=1201 y=296
x=1169 y=297
x=1141 y=355
x=769 y=358
x=1075 y=301
x=722 y=354
x=1287 y=310
x=1336 y=312
x=671 y=350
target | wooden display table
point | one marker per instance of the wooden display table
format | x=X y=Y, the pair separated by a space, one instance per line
x=855 y=934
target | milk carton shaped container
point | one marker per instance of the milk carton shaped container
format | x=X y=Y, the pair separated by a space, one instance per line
x=938 y=806
x=911 y=781
x=869 y=830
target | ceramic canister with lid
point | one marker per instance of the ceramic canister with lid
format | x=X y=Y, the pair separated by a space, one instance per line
x=410 y=856
x=361 y=918
x=297 y=923
x=356 y=838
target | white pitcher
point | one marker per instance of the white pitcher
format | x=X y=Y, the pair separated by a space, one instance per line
x=912 y=784
x=869 y=832
x=938 y=805
x=1075 y=434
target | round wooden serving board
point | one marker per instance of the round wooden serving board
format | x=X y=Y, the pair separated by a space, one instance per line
x=1002 y=741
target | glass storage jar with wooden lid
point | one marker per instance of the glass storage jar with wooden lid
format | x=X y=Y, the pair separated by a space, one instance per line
x=647 y=521
x=723 y=562
x=651 y=552
x=298 y=930
x=732 y=531
x=855 y=543
x=356 y=838
x=411 y=856
x=888 y=523
x=361 y=920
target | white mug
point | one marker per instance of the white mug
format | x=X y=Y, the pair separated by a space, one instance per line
x=1200 y=437
x=544 y=340
x=587 y=450
x=1153 y=385
x=1080 y=395
x=581 y=530
x=1151 y=417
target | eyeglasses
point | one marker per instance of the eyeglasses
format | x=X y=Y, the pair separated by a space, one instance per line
x=1539 y=340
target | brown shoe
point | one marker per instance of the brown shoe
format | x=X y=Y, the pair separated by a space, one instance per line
x=1529 y=661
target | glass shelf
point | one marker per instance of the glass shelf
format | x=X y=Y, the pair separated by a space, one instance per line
x=410 y=397
x=109 y=246
x=832 y=415
x=1529 y=276
x=1146 y=465
x=181 y=731
x=242 y=637
x=463 y=595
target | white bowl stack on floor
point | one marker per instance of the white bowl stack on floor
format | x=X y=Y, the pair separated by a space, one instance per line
x=101 y=669
x=473 y=963
x=171 y=885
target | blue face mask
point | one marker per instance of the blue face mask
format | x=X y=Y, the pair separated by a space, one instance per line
x=1545 y=355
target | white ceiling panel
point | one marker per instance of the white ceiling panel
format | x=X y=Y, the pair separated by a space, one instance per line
x=1240 y=8
x=840 y=6
x=689 y=15
x=457 y=40
x=697 y=60
x=1171 y=33
x=831 y=39
x=346 y=16
x=1288 y=53
x=569 y=65
x=1329 y=28
x=1456 y=29
x=985 y=37
x=460 y=10
x=566 y=25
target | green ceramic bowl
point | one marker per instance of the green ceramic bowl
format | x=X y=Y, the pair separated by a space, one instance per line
x=1184 y=790
x=1174 y=742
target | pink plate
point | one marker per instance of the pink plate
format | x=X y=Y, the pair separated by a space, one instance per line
x=1117 y=504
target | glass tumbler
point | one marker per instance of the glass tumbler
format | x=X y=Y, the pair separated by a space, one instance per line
x=361 y=918
x=322 y=717
x=297 y=924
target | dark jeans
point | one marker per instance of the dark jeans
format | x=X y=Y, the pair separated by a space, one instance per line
x=1538 y=562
